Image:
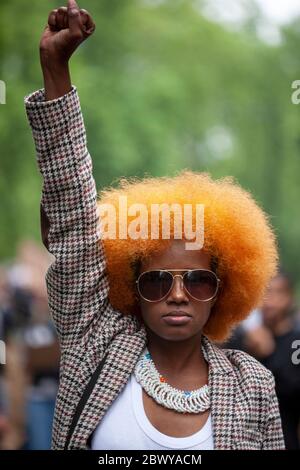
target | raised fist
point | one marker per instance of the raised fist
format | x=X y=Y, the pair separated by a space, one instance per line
x=67 y=28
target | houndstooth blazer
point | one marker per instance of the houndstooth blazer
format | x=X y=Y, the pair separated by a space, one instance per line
x=244 y=405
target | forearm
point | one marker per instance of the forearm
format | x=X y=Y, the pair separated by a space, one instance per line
x=57 y=80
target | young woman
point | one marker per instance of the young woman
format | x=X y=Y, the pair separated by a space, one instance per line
x=136 y=316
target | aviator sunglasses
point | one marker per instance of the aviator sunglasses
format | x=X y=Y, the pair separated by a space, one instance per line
x=200 y=284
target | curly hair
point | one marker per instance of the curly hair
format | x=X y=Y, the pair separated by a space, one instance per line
x=237 y=234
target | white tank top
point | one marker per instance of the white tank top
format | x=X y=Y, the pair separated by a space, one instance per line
x=125 y=426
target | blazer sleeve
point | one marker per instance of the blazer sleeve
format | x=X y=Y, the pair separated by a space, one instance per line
x=273 y=435
x=77 y=283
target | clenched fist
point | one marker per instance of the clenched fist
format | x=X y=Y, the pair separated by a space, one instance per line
x=67 y=28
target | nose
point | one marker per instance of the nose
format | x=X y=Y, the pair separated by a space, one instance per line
x=177 y=294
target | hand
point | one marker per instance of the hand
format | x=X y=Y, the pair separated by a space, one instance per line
x=260 y=342
x=67 y=28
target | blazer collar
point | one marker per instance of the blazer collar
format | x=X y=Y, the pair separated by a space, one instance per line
x=216 y=357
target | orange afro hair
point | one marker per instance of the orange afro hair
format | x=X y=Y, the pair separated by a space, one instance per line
x=236 y=232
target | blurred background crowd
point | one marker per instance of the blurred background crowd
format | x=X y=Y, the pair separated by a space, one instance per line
x=29 y=379
x=164 y=85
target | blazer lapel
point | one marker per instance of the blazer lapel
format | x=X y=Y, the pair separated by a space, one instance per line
x=224 y=388
x=119 y=364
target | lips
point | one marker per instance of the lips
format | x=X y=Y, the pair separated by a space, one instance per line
x=177 y=313
x=177 y=317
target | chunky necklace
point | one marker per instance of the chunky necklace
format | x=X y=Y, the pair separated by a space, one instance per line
x=195 y=401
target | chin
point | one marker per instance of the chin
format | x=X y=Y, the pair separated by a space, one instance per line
x=176 y=334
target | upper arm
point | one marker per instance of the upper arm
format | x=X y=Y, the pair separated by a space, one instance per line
x=76 y=281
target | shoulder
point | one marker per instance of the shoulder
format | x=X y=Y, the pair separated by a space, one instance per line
x=249 y=371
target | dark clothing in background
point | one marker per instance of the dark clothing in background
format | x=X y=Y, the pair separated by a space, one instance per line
x=287 y=379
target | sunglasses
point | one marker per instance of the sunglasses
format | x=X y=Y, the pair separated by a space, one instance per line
x=200 y=284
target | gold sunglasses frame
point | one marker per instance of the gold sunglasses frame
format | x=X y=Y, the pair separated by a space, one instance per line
x=182 y=282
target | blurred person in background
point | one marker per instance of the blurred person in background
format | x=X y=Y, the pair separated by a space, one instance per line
x=270 y=339
x=38 y=341
x=29 y=378
x=42 y=365
x=11 y=372
x=278 y=314
x=4 y=321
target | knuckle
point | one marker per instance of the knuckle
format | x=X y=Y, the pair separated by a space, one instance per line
x=52 y=14
x=73 y=12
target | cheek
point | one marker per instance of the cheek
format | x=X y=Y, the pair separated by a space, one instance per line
x=150 y=312
x=202 y=312
x=151 y=316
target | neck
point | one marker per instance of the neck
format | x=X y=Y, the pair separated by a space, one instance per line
x=177 y=358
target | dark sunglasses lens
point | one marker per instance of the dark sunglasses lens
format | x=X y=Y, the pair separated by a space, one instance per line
x=201 y=284
x=154 y=285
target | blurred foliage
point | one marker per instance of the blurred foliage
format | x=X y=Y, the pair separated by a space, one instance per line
x=162 y=88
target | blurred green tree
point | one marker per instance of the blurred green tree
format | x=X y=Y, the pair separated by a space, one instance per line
x=162 y=88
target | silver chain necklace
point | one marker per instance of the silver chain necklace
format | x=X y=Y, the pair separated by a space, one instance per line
x=183 y=401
